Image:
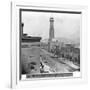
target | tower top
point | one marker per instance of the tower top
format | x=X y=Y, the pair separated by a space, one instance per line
x=51 y=19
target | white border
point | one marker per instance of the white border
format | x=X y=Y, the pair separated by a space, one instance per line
x=15 y=83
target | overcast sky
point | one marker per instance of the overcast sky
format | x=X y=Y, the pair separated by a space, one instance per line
x=65 y=25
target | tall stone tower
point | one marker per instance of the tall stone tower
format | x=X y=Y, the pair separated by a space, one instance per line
x=51 y=33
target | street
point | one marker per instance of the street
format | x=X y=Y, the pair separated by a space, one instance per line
x=55 y=64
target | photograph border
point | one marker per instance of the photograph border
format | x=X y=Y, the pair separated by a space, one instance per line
x=48 y=11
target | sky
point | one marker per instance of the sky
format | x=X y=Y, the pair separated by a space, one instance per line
x=38 y=24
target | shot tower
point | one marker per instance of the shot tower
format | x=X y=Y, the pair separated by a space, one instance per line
x=51 y=33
